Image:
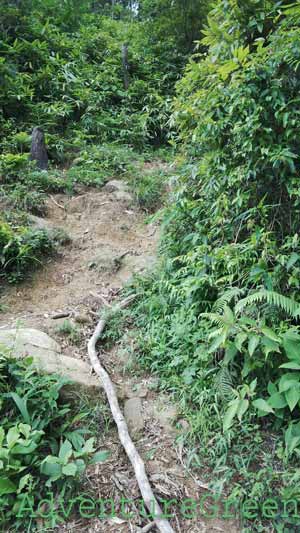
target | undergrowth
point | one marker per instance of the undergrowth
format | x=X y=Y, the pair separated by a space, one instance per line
x=22 y=249
x=219 y=321
x=46 y=443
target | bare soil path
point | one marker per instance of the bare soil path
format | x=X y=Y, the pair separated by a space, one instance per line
x=110 y=241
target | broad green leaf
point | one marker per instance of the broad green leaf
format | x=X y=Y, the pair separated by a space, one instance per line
x=87 y=448
x=52 y=470
x=80 y=464
x=12 y=436
x=25 y=429
x=277 y=401
x=262 y=405
x=230 y=414
x=272 y=389
x=252 y=385
x=270 y=346
x=270 y=334
x=100 y=457
x=70 y=469
x=242 y=408
x=292 y=397
x=291 y=366
x=239 y=340
x=288 y=380
x=65 y=451
x=291 y=344
x=7 y=486
x=25 y=450
x=230 y=354
x=253 y=343
x=22 y=406
x=292 y=444
x=25 y=480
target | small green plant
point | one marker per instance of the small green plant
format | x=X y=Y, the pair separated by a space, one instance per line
x=148 y=188
x=68 y=329
x=43 y=440
x=20 y=249
x=10 y=164
x=19 y=197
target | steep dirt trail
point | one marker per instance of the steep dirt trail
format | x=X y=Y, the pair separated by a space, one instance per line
x=109 y=241
x=103 y=227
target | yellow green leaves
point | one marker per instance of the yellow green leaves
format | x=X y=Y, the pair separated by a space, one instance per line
x=239 y=59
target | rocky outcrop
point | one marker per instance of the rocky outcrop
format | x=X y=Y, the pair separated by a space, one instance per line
x=47 y=356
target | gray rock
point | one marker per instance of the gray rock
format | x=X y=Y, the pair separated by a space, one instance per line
x=47 y=356
x=56 y=232
x=82 y=318
x=115 y=185
x=38 y=151
x=165 y=413
x=123 y=196
x=120 y=191
x=25 y=342
x=134 y=415
x=106 y=260
x=138 y=263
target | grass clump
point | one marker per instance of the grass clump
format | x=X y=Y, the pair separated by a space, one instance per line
x=69 y=330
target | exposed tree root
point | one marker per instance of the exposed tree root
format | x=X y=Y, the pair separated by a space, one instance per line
x=138 y=465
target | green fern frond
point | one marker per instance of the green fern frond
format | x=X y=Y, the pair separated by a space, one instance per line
x=289 y=306
x=214 y=318
x=224 y=383
x=226 y=298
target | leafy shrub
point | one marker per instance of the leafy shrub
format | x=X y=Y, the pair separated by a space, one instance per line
x=219 y=320
x=43 y=442
x=21 y=249
x=10 y=164
x=20 y=197
x=148 y=188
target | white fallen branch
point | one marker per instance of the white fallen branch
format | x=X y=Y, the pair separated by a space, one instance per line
x=150 y=501
x=147 y=528
x=56 y=203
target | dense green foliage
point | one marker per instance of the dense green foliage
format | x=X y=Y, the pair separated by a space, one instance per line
x=44 y=445
x=221 y=321
x=61 y=68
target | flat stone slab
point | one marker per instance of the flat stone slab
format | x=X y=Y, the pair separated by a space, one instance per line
x=134 y=415
x=47 y=356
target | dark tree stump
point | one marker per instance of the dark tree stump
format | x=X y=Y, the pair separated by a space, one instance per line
x=38 y=152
